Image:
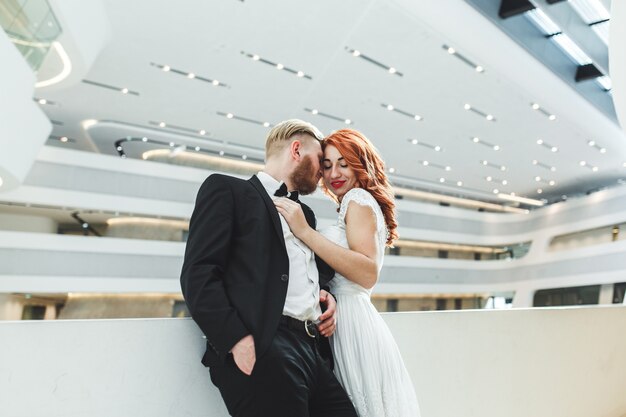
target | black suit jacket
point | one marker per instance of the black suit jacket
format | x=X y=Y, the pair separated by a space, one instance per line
x=236 y=269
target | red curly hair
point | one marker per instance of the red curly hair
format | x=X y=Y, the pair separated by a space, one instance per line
x=363 y=158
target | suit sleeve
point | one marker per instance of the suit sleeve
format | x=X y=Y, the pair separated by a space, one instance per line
x=206 y=256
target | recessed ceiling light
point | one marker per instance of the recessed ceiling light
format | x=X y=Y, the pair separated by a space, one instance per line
x=476 y=140
x=535 y=162
x=119 y=148
x=448 y=169
x=552 y=117
x=166 y=68
x=602 y=150
x=535 y=106
x=484 y=162
x=539 y=142
x=144 y=139
x=489 y=179
x=537 y=178
x=539 y=191
x=595 y=169
x=417 y=117
x=554 y=149
x=496 y=148
x=392 y=70
x=314 y=111
x=425 y=163
x=279 y=66
x=591 y=143
x=162 y=124
x=504 y=182
x=244 y=157
x=348 y=121
x=459 y=183
x=356 y=53
x=489 y=117
x=266 y=124
x=191 y=75
x=479 y=69
x=124 y=90
x=229 y=115
x=197 y=148
x=392 y=170
x=221 y=153
x=451 y=50
x=502 y=168
x=256 y=57
x=552 y=182
x=414 y=141
x=300 y=74
x=582 y=163
x=389 y=107
x=63 y=139
x=437 y=148
x=215 y=82
x=42 y=101
x=467 y=107
x=203 y=132
x=442 y=180
x=172 y=144
x=553 y=169
x=496 y=191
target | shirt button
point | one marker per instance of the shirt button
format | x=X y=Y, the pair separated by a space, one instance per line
x=284 y=277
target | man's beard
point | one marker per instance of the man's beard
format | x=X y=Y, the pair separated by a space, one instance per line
x=304 y=178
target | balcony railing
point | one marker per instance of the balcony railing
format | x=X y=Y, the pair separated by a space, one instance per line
x=560 y=362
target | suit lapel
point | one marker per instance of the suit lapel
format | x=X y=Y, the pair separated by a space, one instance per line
x=308 y=215
x=271 y=208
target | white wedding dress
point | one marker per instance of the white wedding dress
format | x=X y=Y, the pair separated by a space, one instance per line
x=367 y=360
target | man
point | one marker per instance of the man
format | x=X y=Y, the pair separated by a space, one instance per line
x=254 y=289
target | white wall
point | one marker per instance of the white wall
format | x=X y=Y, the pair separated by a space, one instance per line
x=27 y=223
x=23 y=126
x=514 y=363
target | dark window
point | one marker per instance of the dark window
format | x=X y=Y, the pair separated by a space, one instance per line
x=441 y=303
x=458 y=304
x=392 y=304
x=33 y=312
x=180 y=309
x=618 y=292
x=443 y=254
x=571 y=296
x=395 y=251
x=476 y=256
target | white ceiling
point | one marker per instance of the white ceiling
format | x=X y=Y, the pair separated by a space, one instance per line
x=208 y=38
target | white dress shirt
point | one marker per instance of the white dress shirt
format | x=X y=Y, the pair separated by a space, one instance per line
x=303 y=291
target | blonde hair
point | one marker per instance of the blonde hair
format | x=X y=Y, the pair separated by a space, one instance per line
x=282 y=134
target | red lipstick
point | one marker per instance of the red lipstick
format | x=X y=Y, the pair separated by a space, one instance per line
x=337 y=184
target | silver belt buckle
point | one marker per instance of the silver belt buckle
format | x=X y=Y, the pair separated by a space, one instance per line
x=306 y=328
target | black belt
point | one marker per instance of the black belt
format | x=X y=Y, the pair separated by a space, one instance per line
x=307 y=327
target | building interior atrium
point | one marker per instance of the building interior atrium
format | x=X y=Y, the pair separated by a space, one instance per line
x=502 y=126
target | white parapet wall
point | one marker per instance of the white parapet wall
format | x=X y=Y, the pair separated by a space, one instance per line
x=566 y=362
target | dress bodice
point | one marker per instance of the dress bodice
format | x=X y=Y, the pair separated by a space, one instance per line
x=337 y=234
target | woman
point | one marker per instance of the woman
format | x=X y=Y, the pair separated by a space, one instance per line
x=367 y=360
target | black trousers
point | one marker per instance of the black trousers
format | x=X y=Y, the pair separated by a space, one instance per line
x=290 y=380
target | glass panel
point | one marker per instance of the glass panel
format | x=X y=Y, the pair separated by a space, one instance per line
x=31 y=26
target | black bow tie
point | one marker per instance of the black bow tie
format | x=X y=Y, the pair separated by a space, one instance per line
x=282 y=192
